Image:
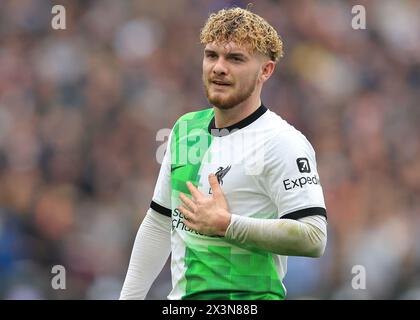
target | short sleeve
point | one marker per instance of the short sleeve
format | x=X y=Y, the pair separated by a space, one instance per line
x=161 y=200
x=291 y=177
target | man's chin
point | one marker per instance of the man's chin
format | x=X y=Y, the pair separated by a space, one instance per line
x=221 y=103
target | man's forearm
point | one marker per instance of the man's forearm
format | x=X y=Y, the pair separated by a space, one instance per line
x=150 y=252
x=304 y=237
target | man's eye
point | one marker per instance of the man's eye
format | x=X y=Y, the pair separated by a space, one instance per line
x=237 y=59
x=210 y=55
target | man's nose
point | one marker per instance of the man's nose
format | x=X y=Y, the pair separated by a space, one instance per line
x=220 y=67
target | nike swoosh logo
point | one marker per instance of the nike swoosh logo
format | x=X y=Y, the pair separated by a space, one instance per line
x=177 y=167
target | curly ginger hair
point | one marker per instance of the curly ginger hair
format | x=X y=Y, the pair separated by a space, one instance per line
x=245 y=29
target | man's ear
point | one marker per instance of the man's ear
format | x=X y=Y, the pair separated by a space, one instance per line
x=267 y=70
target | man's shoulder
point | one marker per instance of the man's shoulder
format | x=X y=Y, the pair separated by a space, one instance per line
x=280 y=127
x=285 y=135
x=199 y=115
x=190 y=121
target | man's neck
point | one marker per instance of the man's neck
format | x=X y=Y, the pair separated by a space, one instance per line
x=225 y=118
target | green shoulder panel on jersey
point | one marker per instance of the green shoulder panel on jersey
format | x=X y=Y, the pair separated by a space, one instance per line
x=190 y=142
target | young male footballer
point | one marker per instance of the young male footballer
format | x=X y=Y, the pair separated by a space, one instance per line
x=238 y=190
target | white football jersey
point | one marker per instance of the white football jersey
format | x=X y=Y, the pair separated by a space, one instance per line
x=266 y=168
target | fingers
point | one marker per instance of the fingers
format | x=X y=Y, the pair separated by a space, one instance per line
x=190 y=225
x=187 y=202
x=189 y=215
x=215 y=186
x=194 y=191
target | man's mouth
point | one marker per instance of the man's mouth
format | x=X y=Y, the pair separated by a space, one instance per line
x=221 y=83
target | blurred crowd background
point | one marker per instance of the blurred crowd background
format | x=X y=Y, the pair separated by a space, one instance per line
x=80 y=110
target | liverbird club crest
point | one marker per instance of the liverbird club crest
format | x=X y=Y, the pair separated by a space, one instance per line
x=220 y=173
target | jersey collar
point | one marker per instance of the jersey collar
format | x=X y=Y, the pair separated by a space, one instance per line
x=221 y=132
